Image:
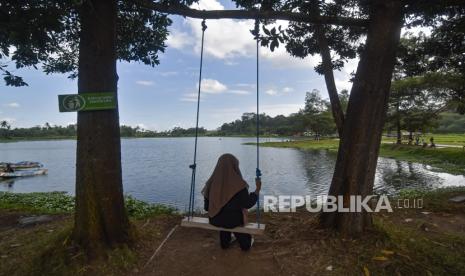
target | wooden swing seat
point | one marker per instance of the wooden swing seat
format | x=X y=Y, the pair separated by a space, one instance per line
x=201 y=222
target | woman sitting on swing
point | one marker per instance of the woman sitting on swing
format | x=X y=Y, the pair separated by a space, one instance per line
x=227 y=200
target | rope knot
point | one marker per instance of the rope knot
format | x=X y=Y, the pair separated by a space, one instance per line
x=204 y=25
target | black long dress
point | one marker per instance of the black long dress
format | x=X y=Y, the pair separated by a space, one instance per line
x=230 y=216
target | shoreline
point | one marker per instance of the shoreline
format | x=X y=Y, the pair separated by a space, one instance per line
x=32 y=139
x=449 y=159
x=431 y=238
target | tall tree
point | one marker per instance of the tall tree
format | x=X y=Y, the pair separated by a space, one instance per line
x=100 y=214
x=416 y=102
x=85 y=38
x=316 y=115
x=359 y=148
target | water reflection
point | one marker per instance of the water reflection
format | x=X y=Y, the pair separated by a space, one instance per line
x=318 y=166
x=7 y=184
x=156 y=170
x=394 y=175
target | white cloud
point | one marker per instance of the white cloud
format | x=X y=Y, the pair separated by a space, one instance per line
x=280 y=58
x=271 y=92
x=351 y=66
x=275 y=92
x=189 y=97
x=288 y=90
x=249 y=85
x=12 y=105
x=342 y=84
x=238 y=92
x=231 y=63
x=178 y=40
x=211 y=86
x=185 y=99
x=169 y=73
x=342 y=78
x=145 y=83
x=228 y=39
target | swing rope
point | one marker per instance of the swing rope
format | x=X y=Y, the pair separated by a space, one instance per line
x=258 y=173
x=194 y=165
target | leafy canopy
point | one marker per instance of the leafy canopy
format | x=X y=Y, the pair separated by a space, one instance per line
x=45 y=33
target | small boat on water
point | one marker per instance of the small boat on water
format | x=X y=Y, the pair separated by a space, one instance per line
x=23 y=173
x=23 y=165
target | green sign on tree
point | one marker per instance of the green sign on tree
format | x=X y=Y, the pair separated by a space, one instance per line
x=87 y=102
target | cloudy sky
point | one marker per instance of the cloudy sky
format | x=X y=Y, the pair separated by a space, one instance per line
x=163 y=97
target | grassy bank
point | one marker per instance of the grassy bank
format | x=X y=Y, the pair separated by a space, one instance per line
x=427 y=241
x=46 y=248
x=62 y=203
x=26 y=139
x=443 y=139
x=451 y=160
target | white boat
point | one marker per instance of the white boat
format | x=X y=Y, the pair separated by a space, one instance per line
x=23 y=165
x=23 y=173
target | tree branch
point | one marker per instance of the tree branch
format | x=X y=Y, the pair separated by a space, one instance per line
x=250 y=14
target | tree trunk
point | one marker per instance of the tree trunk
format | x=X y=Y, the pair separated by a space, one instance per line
x=325 y=53
x=336 y=107
x=358 y=150
x=100 y=218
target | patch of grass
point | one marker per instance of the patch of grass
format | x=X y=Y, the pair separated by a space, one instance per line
x=426 y=254
x=451 y=160
x=443 y=139
x=46 y=203
x=46 y=253
x=326 y=144
x=436 y=200
x=62 y=203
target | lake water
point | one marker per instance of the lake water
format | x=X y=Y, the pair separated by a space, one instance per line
x=156 y=169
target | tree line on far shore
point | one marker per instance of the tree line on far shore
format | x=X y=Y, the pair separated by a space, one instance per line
x=70 y=131
x=315 y=119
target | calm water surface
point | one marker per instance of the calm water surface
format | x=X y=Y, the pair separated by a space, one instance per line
x=156 y=170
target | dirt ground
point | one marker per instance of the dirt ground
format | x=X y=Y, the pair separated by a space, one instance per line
x=292 y=245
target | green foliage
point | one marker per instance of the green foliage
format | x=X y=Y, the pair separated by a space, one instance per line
x=279 y=125
x=56 y=132
x=46 y=33
x=139 y=209
x=451 y=123
x=61 y=202
x=411 y=193
x=416 y=102
x=54 y=202
x=316 y=118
